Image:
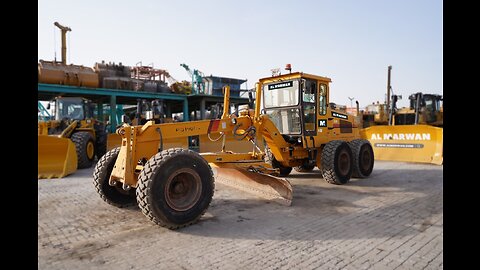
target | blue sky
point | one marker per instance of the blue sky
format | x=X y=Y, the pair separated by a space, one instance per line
x=352 y=42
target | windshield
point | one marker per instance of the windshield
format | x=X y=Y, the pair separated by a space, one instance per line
x=286 y=120
x=281 y=94
x=71 y=109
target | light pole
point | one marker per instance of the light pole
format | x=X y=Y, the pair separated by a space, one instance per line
x=351 y=99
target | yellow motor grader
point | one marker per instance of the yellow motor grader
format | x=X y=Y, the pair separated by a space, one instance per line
x=71 y=140
x=174 y=187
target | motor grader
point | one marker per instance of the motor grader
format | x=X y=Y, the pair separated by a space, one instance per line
x=174 y=187
x=71 y=140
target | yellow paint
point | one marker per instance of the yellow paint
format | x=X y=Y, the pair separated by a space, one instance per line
x=409 y=143
x=57 y=157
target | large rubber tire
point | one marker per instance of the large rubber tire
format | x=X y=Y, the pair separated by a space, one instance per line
x=85 y=146
x=270 y=159
x=304 y=168
x=363 y=158
x=113 y=195
x=337 y=162
x=175 y=188
x=100 y=142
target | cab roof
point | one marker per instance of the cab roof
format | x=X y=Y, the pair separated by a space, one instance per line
x=294 y=75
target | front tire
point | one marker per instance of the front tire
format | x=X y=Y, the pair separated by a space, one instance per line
x=270 y=159
x=175 y=188
x=363 y=158
x=113 y=195
x=101 y=141
x=337 y=162
x=85 y=146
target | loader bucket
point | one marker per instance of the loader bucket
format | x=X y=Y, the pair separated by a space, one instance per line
x=410 y=143
x=263 y=185
x=57 y=157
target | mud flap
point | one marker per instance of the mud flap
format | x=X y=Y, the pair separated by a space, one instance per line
x=409 y=143
x=265 y=186
x=57 y=157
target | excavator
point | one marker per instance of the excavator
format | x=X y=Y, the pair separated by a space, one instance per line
x=412 y=134
x=70 y=140
x=174 y=187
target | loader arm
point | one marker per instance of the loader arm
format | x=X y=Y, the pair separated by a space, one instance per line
x=67 y=132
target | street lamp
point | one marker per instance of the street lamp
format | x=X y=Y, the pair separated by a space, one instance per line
x=351 y=101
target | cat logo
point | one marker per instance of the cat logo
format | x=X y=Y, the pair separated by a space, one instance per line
x=322 y=123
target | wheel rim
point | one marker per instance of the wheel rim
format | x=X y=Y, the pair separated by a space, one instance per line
x=343 y=162
x=182 y=189
x=90 y=150
x=365 y=159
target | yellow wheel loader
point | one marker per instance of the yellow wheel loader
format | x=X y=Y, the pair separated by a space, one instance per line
x=174 y=187
x=71 y=140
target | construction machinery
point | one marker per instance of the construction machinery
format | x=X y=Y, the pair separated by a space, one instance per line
x=174 y=187
x=198 y=85
x=426 y=109
x=374 y=114
x=412 y=134
x=55 y=72
x=71 y=139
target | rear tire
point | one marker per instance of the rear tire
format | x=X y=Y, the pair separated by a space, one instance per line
x=85 y=146
x=113 y=195
x=304 y=168
x=337 y=162
x=175 y=188
x=363 y=158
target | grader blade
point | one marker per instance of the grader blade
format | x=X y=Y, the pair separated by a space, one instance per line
x=409 y=143
x=263 y=185
x=57 y=157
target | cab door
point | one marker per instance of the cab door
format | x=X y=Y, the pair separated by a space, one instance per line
x=308 y=109
x=323 y=120
x=309 y=99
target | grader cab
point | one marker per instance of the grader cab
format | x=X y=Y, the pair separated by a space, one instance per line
x=174 y=187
